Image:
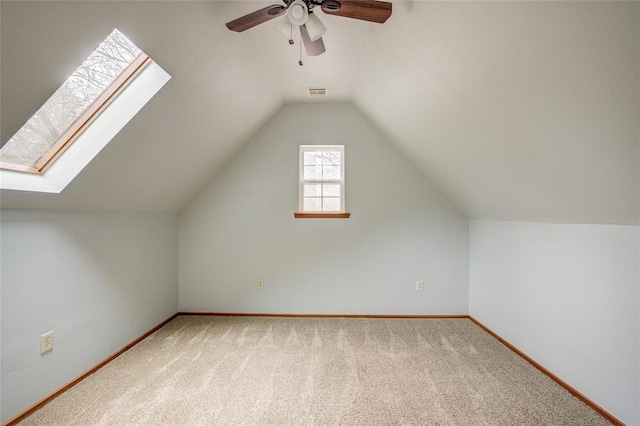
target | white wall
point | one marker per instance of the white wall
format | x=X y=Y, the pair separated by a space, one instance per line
x=241 y=228
x=567 y=296
x=97 y=280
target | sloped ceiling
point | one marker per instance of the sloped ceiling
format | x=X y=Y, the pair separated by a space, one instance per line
x=517 y=111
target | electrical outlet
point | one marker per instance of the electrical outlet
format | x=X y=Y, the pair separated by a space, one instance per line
x=260 y=284
x=46 y=342
x=419 y=285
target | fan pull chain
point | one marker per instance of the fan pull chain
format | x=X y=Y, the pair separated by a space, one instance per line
x=291 y=33
x=300 y=61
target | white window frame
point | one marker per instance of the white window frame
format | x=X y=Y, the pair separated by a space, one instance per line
x=302 y=181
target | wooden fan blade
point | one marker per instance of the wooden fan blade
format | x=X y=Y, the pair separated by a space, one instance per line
x=313 y=48
x=255 y=18
x=367 y=10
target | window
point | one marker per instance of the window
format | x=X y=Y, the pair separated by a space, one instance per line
x=80 y=99
x=322 y=181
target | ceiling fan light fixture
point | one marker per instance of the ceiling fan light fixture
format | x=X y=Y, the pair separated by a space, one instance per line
x=315 y=27
x=298 y=13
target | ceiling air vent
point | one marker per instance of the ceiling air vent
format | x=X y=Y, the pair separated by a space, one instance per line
x=317 y=92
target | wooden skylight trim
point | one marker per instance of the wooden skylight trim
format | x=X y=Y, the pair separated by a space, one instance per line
x=94 y=110
x=19 y=168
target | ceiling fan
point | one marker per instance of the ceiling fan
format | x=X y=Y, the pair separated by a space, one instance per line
x=300 y=13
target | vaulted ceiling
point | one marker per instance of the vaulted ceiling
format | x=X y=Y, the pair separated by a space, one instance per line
x=515 y=110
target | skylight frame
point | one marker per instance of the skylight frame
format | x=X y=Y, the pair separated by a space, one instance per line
x=85 y=119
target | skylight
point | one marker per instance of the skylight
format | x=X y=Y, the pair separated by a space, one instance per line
x=81 y=118
x=91 y=87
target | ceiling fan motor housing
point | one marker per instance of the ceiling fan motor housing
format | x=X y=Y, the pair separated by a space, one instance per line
x=298 y=12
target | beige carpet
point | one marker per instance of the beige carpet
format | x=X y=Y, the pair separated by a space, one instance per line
x=297 y=371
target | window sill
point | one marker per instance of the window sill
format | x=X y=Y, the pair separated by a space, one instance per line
x=299 y=215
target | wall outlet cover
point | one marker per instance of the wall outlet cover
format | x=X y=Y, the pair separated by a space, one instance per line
x=46 y=342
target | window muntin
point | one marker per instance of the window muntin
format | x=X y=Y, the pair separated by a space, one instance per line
x=74 y=105
x=322 y=179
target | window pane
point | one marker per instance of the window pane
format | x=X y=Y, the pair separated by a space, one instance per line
x=331 y=190
x=331 y=172
x=312 y=172
x=331 y=204
x=332 y=158
x=312 y=190
x=312 y=204
x=312 y=158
